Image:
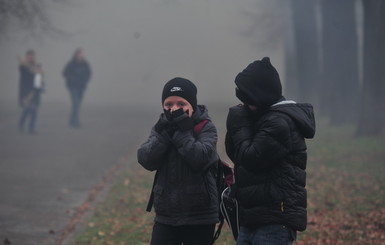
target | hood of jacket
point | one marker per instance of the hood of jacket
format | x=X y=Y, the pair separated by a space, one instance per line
x=301 y=113
x=259 y=84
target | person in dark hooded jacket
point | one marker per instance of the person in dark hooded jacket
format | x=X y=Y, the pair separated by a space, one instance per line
x=266 y=141
x=185 y=192
x=77 y=74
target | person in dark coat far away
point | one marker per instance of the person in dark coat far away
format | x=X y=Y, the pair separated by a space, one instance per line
x=77 y=74
x=30 y=88
x=185 y=192
x=266 y=141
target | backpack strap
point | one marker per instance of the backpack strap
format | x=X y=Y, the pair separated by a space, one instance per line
x=198 y=128
x=151 y=199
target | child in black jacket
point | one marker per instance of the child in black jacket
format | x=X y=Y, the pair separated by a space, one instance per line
x=185 y=192
x=266 y=141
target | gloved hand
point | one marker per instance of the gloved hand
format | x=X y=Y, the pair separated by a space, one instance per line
x=169 y=126
x=182 y=120
x=168 y=114
x=161 y=125
x=164 y=122
x=239 y=116
x=239 y=127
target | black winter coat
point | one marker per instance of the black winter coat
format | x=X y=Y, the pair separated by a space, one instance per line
x=26 y=87
x=77 y=74
x=269 y=152
x=185 y=191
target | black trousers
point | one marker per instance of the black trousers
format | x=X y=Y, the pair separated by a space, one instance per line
x=185 y=234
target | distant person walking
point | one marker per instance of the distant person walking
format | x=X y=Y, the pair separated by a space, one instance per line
x=266 y=141
x=77 y=74
x=30 y=88
x=185 y=192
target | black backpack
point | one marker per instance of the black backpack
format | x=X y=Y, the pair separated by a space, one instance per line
x=225 y=179
x=228 y=205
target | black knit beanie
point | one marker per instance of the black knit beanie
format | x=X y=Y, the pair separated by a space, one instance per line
x=259 y=84
x=181 y=87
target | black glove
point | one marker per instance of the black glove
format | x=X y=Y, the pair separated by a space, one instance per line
x=182 y=120
x=161 y=125
x=168 y=114
x=239 y=116
x=170 y=125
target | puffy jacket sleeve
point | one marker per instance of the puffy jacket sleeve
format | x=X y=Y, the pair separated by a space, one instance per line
x=199 y=151
x=152 y=153
x=266 y=147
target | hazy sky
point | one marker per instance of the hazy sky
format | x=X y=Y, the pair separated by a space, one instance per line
x=135 y=46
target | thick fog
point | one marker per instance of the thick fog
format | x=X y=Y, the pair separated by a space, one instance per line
x=135 y=46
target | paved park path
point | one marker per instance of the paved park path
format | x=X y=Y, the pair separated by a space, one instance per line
x=45 y=178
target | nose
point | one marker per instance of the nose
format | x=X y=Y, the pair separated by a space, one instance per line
x=174 y=107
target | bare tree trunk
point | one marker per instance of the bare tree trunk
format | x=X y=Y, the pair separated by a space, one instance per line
x=291 y=76
x=306 y=48
x=340 y=60
x=372 y=114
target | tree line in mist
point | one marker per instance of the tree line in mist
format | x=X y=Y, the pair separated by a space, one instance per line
x=324 y=63
x=332 y=59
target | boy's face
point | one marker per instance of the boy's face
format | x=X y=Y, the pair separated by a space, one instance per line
x=174 y=103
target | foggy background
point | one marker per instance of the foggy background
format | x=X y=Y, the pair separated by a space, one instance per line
x=329 y=53
x=134 y=47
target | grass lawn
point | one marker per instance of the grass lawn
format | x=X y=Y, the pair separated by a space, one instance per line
x=346 y=195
